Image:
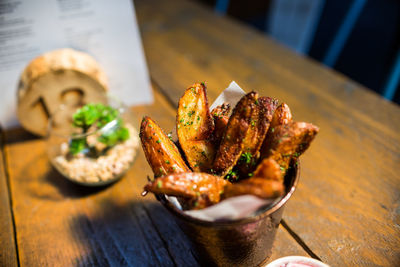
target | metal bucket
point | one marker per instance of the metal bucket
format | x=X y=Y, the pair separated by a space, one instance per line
x=244 y=242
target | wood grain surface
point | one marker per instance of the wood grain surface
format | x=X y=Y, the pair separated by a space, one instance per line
x=8 y=255
x=59 y=223
x=347 y=207
x=346 y=210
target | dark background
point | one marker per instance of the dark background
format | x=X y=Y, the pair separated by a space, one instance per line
x=369 y=52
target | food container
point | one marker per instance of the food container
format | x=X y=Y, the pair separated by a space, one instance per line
x=297 y=261
x=243 y=242
x=84 y=168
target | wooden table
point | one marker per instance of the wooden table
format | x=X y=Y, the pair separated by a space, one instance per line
x=346 y=210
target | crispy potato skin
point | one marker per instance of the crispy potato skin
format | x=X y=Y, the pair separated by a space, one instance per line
x=161 y=153
x=269 y=169
x=258 y=141
x=199 y=189
x=289 y=141
x=260 y=187
x=282 y=115
x=236 y=131
x=220 y=115
x=201 y=153
x=259 y=124
x=194 y=126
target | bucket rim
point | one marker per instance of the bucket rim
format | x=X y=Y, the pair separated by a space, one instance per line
x=270 y=209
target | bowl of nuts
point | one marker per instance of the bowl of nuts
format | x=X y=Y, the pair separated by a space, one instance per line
x=92 y=144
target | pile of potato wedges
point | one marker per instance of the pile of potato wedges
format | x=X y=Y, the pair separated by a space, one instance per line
x=230 y=151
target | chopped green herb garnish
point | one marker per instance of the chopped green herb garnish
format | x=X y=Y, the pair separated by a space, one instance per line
x=170 y=136
x=158 y=141
x=246 y=157
x=232 y=175
x=167 y=161
x=159 y=184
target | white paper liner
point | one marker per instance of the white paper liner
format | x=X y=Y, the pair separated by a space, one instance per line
x=233 y=208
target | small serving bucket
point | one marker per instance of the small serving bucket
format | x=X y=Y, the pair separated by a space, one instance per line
x=243 y=242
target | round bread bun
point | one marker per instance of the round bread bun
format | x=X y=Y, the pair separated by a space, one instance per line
x=64 y=76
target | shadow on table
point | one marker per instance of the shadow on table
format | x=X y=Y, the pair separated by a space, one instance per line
x=53 y=186
x=43 y=181
x=135 y=234
x=18 y=134
x=69 y=189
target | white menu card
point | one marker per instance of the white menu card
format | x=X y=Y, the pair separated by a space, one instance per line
x=107 y=30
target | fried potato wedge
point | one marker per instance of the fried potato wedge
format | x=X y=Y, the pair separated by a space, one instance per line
x=239 y=123
x=220 y=115
x=282 y=115
x=259 y=124
x=161 y=153
x=195 y=124
x=289 y=141
x=202 y=154
x=269 y=169
x=260 y=187
x=199 y=189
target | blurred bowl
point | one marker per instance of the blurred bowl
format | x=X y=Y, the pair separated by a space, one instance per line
x=243 y=242
x=296 y=261
x=85 y=168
